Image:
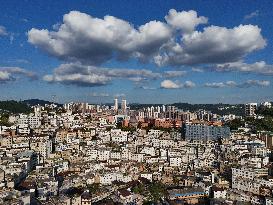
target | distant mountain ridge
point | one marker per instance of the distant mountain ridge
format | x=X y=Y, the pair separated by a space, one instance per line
x=32 y=102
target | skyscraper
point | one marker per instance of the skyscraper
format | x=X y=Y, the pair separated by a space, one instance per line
x=116 y=104
x=163 y=108
x=123 y=105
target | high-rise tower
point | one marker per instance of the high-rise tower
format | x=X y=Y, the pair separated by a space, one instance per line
x=123 y=105
x=116 y=104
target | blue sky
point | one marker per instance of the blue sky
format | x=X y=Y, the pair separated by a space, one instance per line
x=145 y=51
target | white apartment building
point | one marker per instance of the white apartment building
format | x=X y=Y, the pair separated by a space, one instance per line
x=137 y=157
x=175 y=161
x=219 y=193
x=250 y=109
x=103 y=155
x=119 y=136
x=42 y=146
x=245 y=179
x=147 y=175
x=115 y=155
x=23 y=129
x=32 y=121
x=148 y=150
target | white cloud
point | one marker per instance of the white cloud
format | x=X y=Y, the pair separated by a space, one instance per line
x=13 y=73
x=5 y=76
x=231 y=83
x=246 y=84
x=215 y=85
x=252 y=15
x=3 y=31
x=83 y=75
x=168 y=84
x=189 y=84
x=99 y=94
x=83 y=42
x=91 y=40
x=187 y=21
x=261 y=83
x=213 y=45
x=174 y=74
x=258 y=67
x=78 y=79
x=198 y=70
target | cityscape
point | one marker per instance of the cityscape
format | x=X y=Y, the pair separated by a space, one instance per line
x=159 y=102
x=81 y=153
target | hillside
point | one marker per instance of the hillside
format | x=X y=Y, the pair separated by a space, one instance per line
x=14 y=107
x=32 y=102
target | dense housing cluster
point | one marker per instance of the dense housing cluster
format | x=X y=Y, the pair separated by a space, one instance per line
x=82 y=154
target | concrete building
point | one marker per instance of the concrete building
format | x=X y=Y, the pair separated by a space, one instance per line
x=204 y=132
x=250 y=109
x=123 y=105
x=116 y=104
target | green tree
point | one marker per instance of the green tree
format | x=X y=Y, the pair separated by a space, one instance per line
x=157 y=191
x=14 y=106
x=235 y=124
x=4 y=119
x=93 y=188
x=139 y=189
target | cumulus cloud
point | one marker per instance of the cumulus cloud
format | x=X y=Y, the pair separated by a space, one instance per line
x=91 y=40
x=5 y=76
x=248 y=83
x=83 y=75
x=258 y=67
x=213 y=45
x=84 y=42
x=187 y=21
x=168 y=84
x=3 y=31
x=14 y=73
x=189 y=84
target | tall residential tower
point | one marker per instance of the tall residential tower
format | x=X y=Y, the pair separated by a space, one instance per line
x=116 y=104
